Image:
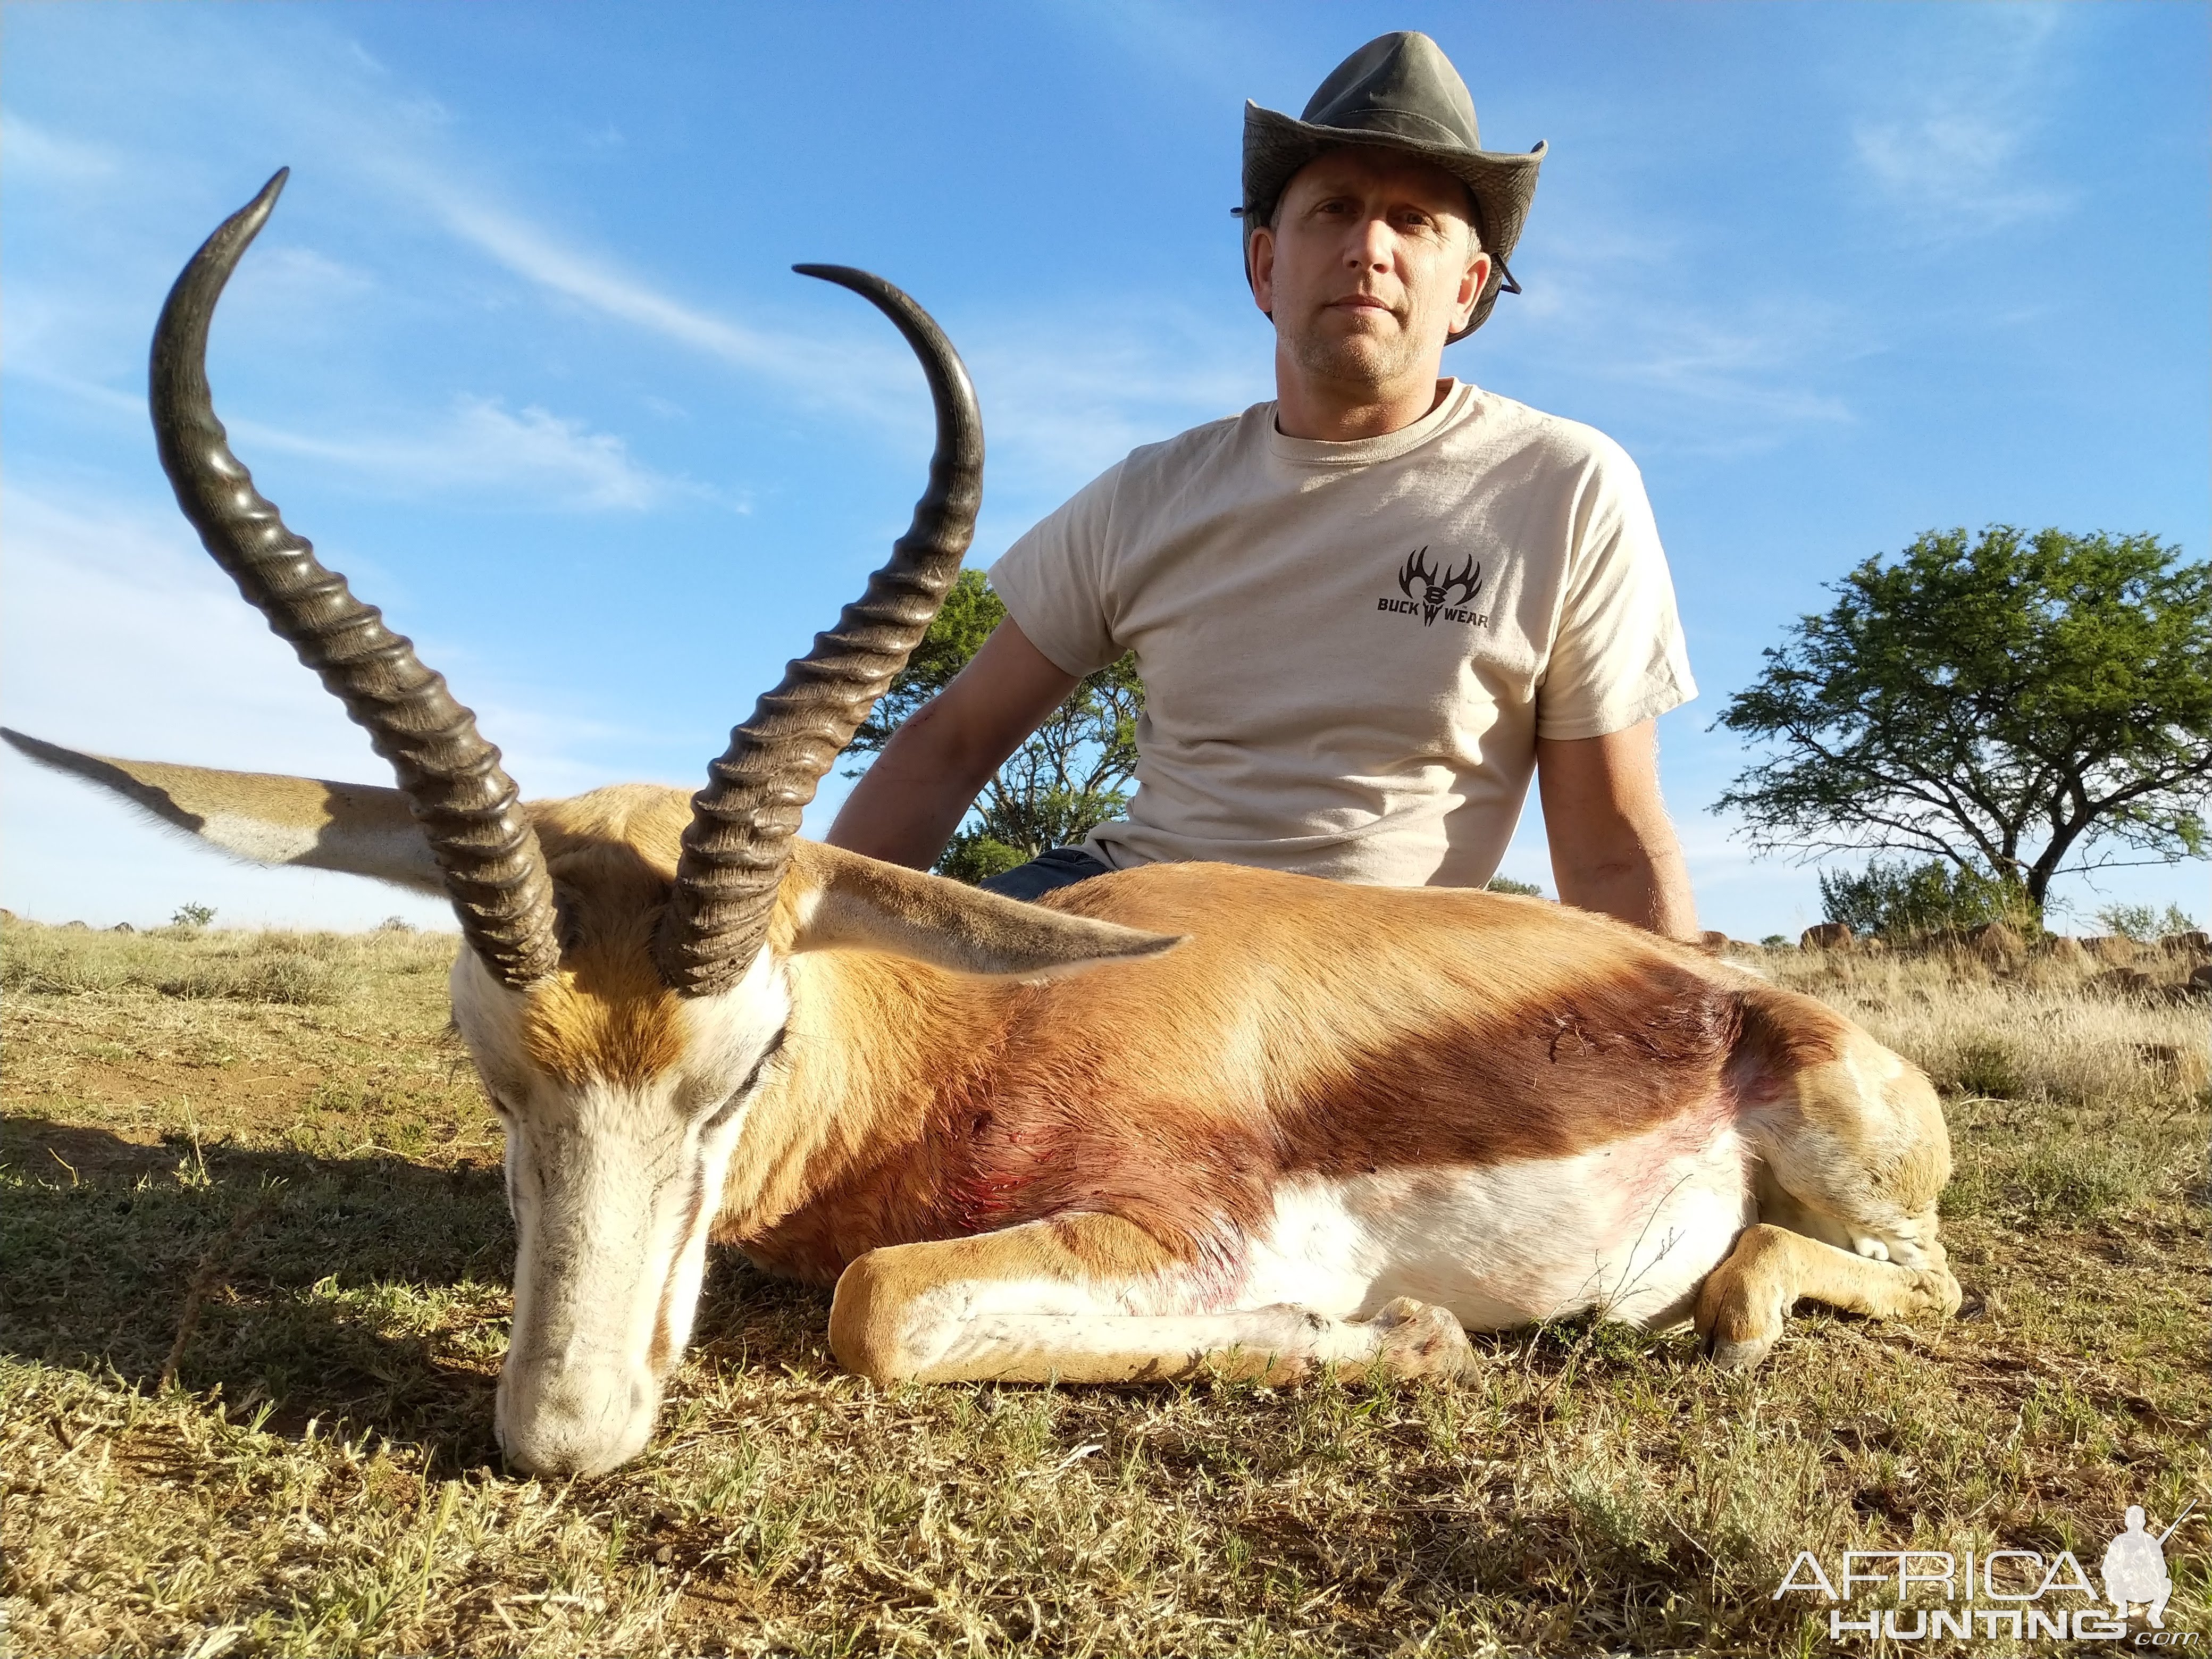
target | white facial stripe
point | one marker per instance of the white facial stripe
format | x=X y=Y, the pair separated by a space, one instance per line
x=615 y=1189
x=611 y=1196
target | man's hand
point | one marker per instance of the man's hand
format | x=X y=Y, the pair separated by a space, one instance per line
x=1612 y=847
x=907 y=805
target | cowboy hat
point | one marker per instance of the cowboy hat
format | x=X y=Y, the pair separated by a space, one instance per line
x=1401 y=92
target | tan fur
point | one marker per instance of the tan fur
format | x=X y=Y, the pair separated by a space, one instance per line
x=606 y=1014
x=1744 y=1301
x=876 y=1294
x=945 y=1105
x=312 y=823
x=896 y=1307
x=836 y=900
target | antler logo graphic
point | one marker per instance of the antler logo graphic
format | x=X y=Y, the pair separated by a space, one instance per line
x=1436 y=591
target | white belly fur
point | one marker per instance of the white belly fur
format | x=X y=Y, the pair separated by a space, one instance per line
x=1629 y=1230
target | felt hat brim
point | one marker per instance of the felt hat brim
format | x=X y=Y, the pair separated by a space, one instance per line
x=1501 y=182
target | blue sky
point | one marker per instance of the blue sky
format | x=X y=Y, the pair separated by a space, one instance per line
x=522 y=353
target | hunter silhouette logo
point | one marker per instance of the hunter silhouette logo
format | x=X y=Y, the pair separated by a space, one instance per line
x=2011 y=1593
x=1447 y=595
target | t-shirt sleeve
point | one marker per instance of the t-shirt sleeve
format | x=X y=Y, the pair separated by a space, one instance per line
x=1617 y=656
x=1056 y=583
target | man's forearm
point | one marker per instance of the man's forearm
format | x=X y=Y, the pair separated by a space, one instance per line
x=1647 y=884
x=1613 y=848
x=906 y=806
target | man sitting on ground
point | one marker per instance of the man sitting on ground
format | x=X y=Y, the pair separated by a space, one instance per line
x=1366 y=612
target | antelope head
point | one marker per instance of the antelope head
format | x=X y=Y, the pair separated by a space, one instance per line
x=624 y=984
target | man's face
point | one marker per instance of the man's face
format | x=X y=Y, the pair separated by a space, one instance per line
x=1369 y=265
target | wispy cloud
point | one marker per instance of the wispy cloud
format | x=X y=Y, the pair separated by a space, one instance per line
x=1752 y=364
x=1719 y=373
x=837 y=373
x=483 y=448
x=1946 y=144
x=1063 y=399
x=1064 y=403
x=37 y=154
x=183 y=671
x=192 y=672
x=479 y=448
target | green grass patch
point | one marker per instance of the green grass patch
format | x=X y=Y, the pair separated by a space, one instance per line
x=318 y=1474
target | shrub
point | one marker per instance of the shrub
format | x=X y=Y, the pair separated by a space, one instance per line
x=192 y=915
x=1906 y=901
x=2144 y=925
x=975 y=857
x=1507 y=885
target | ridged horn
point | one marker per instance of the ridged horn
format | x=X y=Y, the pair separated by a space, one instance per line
x=741 y=823
x=466 y=805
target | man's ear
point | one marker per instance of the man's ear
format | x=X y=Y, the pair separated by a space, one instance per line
x=1471 y=286
x=842 y=901
x=1259 y=268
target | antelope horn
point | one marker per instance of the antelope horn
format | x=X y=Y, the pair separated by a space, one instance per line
x=465 y=803
x=741 y=823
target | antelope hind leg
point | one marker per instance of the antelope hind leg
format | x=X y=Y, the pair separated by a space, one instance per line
x=1744 y=1301
x=1090 y=1298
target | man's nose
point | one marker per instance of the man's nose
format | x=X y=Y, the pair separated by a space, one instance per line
x=1372 y=249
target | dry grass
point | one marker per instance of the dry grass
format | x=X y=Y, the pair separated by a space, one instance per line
x=294 y=1199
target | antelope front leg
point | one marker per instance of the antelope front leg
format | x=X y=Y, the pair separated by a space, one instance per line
x=1744 y=1301
x=1089 y=1298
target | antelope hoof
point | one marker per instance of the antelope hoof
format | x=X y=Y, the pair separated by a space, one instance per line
x=1934 y=1291
x=1738 y=1329
x=1740 y=1354
x=1418 y=1339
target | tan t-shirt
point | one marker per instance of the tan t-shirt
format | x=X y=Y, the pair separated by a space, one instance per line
x=1349 y=649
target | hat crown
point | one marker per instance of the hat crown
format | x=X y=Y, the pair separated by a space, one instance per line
x=1397 y=92
x=1402 y=84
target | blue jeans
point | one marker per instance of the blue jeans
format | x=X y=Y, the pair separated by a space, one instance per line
x=1063 y=867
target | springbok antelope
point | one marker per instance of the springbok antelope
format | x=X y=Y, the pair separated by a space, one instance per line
x=1183 y=1116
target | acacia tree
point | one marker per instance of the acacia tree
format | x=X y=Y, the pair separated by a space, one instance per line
x=2007 y=703
x=1062 y=782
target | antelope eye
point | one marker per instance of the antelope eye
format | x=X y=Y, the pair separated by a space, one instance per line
x=722 y=1113
x=743 y=1092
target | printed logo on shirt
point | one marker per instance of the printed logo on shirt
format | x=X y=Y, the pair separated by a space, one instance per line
x=1450 y=594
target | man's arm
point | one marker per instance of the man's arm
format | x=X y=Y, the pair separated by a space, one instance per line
x=1613 y=848
x=906 y=806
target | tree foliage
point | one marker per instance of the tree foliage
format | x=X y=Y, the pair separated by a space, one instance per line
x=2006 y=703
x=1066 y=780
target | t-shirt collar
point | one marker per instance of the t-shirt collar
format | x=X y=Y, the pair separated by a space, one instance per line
x=1452 y=408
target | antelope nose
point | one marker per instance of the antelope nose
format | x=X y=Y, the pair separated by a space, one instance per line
x=575 y=1419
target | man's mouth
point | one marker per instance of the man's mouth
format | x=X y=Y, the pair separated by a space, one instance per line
x=1362 y=304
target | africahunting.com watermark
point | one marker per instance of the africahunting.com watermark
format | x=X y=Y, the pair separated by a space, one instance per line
x=2021 y=1594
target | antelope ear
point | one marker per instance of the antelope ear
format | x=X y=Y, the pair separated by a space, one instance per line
x=842 y=901
x=356 y=828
